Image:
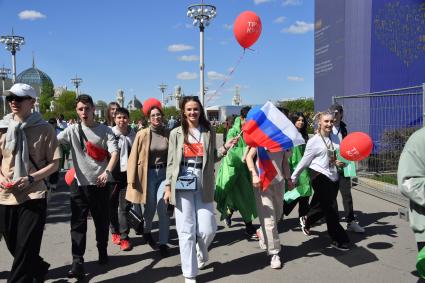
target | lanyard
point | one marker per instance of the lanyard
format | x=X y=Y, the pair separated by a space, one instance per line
x=326 y=144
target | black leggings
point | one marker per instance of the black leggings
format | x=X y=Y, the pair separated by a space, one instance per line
x=325 y=193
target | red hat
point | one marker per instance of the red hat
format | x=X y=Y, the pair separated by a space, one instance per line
x=149 y=103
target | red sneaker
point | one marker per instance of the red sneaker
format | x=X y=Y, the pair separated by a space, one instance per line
x=116 y=238
x=126 y=245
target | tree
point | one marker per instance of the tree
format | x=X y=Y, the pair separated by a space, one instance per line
x=46 y=95
x=171 y=111
x=136 y=115
x=304 y=105
x=65 y=105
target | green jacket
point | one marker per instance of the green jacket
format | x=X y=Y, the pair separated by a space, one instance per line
x=234 y=189
x=411 y=181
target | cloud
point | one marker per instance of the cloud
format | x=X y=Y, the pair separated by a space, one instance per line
x=179 y=47
x=291 y=2
x=214 y=76
x=31 y=15
x=187 y=76
x=228 y=26
x=188 y=58
x=279 y=20
x=295 y=79
x=258 y=2
x=299 y=27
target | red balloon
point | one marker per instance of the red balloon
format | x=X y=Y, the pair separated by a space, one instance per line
x=247 y=28
x=69 y=176
x=356 y=146
x=149 y=103
x=248 y=140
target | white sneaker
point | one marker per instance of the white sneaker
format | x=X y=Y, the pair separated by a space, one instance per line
x=260 y=236
x=275 y=262
x=355 y=227
x=189 y=280
x=201 y=262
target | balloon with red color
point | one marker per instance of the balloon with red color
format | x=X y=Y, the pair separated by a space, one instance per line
x=356 y=146
x=149 y=103
x=247 y=28
x=70 y=176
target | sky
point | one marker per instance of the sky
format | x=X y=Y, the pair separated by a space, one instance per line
x=137 y=45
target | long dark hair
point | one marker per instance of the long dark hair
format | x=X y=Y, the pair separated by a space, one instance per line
x=202 y=119
x=303 y=130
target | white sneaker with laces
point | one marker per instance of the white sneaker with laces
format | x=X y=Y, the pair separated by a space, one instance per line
x=275 y=262
x=355 y=227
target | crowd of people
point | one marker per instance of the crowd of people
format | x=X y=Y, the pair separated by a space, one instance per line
x=163 y=169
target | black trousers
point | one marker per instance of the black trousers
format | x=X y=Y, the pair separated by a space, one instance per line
x=347 y=199
x=84 y=199
x=119 y=209
x=303 y=206
x=324 y=204
x=22 y=227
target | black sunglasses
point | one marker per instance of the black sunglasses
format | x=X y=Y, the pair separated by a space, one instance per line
x=17 y=98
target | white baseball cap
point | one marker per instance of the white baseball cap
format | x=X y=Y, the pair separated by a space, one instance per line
x=22 y=90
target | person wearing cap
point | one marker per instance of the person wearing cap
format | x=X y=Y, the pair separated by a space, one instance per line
x=339 y=132
x=146 y=174
x=91 y=143
x=29 y=153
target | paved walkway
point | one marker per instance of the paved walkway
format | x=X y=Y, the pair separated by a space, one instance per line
x=385 y=253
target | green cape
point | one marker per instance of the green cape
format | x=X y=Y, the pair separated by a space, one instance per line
x=233 y=190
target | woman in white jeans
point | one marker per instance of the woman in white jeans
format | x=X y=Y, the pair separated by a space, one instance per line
x=192 y=153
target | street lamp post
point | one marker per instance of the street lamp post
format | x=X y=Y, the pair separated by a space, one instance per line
x=162 y=88
x=201 y=14
x=4 y=72
x=76 y=82
x=13 y=43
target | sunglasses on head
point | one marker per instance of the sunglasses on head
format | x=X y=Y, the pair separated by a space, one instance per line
x=17 y=98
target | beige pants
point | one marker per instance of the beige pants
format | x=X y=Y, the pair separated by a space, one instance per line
x=270 y=209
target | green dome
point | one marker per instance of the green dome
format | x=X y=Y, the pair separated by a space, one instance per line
x=34 y=76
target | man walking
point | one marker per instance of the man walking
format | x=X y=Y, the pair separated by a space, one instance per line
x=339 y=132
x=28 y=153
x=91 y=143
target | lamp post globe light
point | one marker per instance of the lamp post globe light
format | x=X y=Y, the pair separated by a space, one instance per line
x=162 y=88
x=76 y=82
x=201 y=14
x=13 y=43
x=4 y=73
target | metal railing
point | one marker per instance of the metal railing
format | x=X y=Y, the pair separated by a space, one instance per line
x=389 y=117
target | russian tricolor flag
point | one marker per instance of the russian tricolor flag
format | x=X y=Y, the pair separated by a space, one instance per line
x=270 y=128
x=267 y=170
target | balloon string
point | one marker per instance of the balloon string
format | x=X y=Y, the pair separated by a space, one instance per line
x=228 y=77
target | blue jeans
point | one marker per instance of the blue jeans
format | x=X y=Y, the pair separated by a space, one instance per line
x=155 y=202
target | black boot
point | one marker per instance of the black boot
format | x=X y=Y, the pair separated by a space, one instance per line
x=103 y=257
x=77 y=270
x=163 y=251
x=41 y=272
x=149 y=240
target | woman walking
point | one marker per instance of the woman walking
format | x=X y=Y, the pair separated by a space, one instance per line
x=320 y=157
x=190 y=184
x=302 y=191
x=146 y=174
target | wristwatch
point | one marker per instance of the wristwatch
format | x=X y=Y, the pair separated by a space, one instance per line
x=30 y=179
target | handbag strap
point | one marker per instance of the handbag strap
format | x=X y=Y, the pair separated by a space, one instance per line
x=38 y=168
x=83 y=137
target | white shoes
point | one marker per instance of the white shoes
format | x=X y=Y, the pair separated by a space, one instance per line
x=202 y=261
x=275 y=262
x=189 y=280
x=355 y=227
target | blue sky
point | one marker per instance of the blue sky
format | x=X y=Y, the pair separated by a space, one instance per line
x=133 y=45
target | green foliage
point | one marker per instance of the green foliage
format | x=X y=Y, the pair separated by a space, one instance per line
x=306 y=106
x=46 y=95
x=171 y=111
x=135 y=116
x=65 y=105
x=220 y=129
